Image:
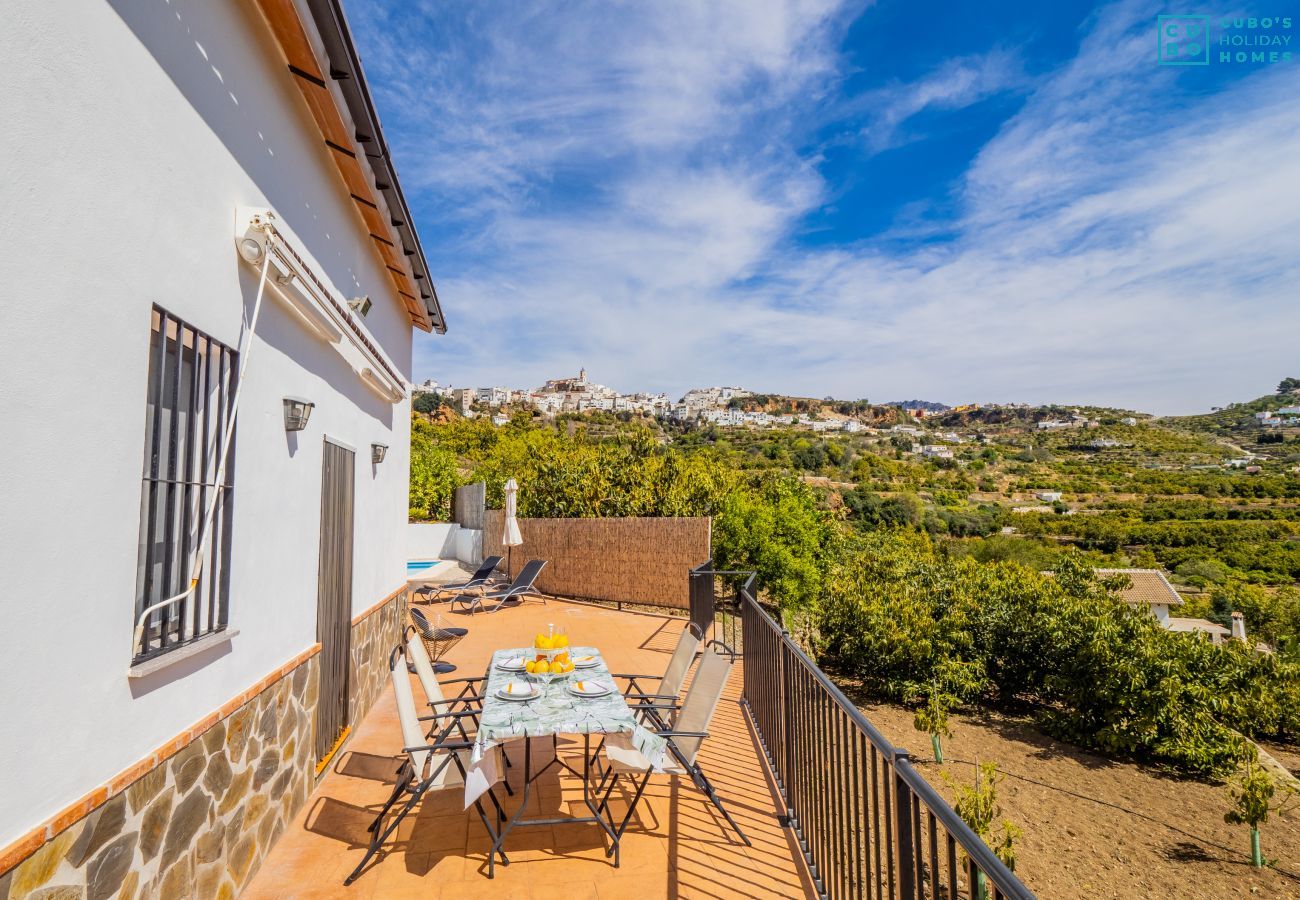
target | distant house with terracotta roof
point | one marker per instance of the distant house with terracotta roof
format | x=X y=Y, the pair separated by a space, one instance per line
x=1148 y=588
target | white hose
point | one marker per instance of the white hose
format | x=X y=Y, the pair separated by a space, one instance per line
x=244 y=351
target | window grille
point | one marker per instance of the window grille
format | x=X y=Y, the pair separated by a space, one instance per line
x=191 y=388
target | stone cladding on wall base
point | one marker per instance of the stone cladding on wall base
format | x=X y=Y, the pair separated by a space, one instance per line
x=197 y=816
x=374 y=634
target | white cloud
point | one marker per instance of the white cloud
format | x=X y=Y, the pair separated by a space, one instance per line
x=956 y=84
x=621 y=188
x=517 y=94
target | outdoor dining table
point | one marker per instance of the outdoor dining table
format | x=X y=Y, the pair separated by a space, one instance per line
x=555 y=711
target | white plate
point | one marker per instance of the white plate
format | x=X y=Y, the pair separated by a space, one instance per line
x=586 y=662
x=520 y=691
x=589 y=689
x=512 y=665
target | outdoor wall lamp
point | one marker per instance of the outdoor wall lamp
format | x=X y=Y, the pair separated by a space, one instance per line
x=360 y=305
x=377 y=452
x=296 y=413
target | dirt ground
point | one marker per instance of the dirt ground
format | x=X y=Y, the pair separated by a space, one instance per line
x=1098 y=828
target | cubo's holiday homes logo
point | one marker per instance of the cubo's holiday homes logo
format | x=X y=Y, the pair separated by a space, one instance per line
x=1230 y=40
x=1184 y=40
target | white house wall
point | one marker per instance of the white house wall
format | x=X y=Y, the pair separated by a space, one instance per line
x=134 y=131
x=431 y=540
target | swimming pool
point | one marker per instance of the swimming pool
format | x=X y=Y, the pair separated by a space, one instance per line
x=414 y=567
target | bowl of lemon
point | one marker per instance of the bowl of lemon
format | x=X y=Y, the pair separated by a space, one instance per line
x=550 y=656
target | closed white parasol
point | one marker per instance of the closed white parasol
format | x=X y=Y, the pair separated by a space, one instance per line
x=512 y=538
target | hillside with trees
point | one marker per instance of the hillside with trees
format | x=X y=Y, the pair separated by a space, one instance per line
x=1237 y=421
x=903 y=571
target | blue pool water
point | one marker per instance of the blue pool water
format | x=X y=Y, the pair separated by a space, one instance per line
x=412 y=567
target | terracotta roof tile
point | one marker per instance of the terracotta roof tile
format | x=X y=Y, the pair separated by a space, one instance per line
x=1148 y=586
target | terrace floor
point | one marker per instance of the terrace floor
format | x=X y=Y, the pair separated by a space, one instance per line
x=677 y=846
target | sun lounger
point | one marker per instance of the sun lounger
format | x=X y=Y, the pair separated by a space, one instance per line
x=523 y=586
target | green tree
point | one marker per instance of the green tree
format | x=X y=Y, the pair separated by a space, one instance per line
x=895 y=613
x=811 y=457
x=978 y=807
x=1202 y=571
x=433 y=474
x=775 y=528
x=932 y=716
x=870 y=510
x=1252 y=801
x=425 y=402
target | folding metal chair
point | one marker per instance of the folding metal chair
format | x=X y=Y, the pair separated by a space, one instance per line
x=669 y=686
x=467 y=703
x=429 y=765
x=688 y=731
x=420 y=662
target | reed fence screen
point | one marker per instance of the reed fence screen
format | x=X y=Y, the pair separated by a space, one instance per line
x=629 y=560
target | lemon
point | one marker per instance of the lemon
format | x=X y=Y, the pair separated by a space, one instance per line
x=530 y=667
x=542 y=642
x=543 y=667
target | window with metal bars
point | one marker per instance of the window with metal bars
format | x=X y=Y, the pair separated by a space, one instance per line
x=190 y=396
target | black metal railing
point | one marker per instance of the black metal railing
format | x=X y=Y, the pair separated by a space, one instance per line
x=720 y=608
x=701 y=596
x=869 y=825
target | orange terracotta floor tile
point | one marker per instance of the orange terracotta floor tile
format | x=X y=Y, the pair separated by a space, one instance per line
x=676 y=846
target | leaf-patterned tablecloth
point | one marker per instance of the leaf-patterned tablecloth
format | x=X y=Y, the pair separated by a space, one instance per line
x=556 y=711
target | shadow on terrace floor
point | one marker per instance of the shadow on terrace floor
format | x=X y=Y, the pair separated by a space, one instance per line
x=676 y=847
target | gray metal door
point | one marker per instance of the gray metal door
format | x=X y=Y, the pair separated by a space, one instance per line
x=334 y=595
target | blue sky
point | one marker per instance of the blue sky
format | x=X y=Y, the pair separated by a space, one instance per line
x=886 y=200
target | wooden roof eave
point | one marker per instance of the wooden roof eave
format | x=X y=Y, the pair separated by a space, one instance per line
x=339 y=138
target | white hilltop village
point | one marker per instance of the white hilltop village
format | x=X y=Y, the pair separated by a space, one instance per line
x=719 y=406
x=577 y=394
x=920 y=432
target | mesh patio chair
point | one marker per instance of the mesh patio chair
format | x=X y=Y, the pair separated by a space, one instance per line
x=428 y=764
x=686 y=735
x=669 y=684
x=517 y=590
x=430 y=592
x=438 y=639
